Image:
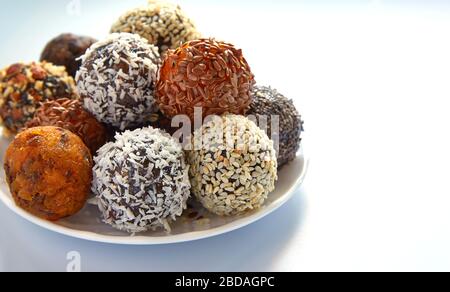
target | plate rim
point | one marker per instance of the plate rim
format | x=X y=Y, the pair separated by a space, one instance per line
x=162 y=240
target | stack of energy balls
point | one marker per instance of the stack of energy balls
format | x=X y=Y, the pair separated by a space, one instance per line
x=106 y=132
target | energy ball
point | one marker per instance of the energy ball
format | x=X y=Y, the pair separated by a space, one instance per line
x=233 y=165
x=204 y=73
x=268 y=103
x=49 y=172
x=163 y=24
x=117 y=80
x=70 y=115
x=141 y=180
x=24 y=86
x=65 y=49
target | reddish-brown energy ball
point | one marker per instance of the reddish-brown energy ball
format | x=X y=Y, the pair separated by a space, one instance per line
x=204 y=73
x=70 y=114
x=65 y=49
x=49 y=172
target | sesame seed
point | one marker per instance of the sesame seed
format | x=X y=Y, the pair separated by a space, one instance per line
x=231 y=193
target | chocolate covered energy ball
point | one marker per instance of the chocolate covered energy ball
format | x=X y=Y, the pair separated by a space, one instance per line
x=24 y=86
x=141 y=180
x=117 y=80
x=272 y=107
x=233 y=165
x=49 y=172
x=204 y=73
x=163 y=24
x=65 y=49
x=70 y=114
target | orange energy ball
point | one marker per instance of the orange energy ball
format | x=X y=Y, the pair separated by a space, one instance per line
x=49 y=172
x=204 y=73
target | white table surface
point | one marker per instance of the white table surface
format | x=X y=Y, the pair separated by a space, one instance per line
x=372 y=81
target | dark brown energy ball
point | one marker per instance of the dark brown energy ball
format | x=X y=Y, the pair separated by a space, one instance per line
x=204 y=73
x=49 y=172
x=24 y=86
x=267 y=102
x=70 y=115
x=65 y=49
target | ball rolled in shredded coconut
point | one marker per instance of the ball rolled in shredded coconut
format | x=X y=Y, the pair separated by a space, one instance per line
x=117 y=79
x=233 y=166
x=141 y=181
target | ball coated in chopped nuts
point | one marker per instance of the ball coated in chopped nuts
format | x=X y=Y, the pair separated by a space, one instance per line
x=24 y=86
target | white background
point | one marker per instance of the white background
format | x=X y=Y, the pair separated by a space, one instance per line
x=371 y=79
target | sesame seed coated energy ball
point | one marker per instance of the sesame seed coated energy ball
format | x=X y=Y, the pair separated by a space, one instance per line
x=141 y=180
x=49 y=172
x=117 y=78
x=267 y=102
x=204 y=73
x=65 y=49
x=163 y=24
x=235 y=169
x=24 y=86
x=70 y=114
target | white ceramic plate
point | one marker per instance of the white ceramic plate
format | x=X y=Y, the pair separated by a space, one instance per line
x=196 y=223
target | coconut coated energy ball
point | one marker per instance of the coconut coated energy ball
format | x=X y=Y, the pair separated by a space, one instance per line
x=233 y=165
x=116 y=80
x=49 y=172
x=141 y=181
